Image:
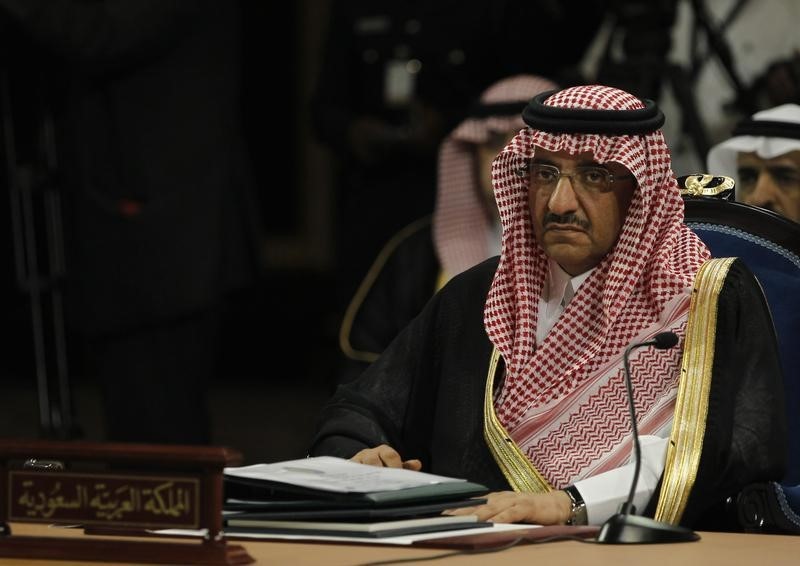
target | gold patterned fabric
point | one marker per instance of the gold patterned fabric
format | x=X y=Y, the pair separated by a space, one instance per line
x=691 y=406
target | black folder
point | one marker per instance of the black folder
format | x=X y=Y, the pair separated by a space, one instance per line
x=307 y=510
x=244 y=493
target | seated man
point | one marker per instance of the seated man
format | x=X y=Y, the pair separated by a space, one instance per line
x=464 y=230
x=763 y=156
x=512 y=376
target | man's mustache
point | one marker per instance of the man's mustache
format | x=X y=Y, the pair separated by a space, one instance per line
x=570 y=218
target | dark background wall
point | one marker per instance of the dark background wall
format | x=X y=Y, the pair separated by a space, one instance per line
x=279 y=336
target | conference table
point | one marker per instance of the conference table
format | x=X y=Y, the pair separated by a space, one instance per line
x=712 y=549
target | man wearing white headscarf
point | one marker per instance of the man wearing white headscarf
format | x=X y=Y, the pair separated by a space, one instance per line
x=513 y=374
x=763 y=156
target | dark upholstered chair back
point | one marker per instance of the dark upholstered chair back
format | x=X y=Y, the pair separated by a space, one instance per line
x=770 y=246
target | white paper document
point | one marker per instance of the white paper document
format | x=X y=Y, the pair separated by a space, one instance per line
x=338 y=475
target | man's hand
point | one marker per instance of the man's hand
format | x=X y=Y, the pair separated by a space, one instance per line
x=511 y=507
x=385 y=456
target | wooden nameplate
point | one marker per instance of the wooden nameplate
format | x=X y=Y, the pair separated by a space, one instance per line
x=126 y=489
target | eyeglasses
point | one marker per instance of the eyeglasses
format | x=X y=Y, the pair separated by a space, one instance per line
x=588 y=177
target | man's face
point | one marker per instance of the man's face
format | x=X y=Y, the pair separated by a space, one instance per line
x=771 y=183
x=576 y=224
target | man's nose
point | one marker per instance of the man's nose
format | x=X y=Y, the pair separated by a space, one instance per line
x=563 y=199
x=763 y=193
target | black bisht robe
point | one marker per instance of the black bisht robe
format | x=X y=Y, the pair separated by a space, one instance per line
x=424 y=396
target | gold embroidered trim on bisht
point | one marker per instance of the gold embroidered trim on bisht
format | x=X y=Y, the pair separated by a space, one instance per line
x=365 y=287
x=441 y=280
x=518 y=470
x=691 y=404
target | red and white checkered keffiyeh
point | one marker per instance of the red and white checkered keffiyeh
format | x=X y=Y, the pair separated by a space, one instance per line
x=563 y=400
x=461 y=230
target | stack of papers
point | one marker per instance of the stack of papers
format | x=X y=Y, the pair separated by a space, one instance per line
x=327 y=495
